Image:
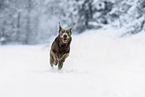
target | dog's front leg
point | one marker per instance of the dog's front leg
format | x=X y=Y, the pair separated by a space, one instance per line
x=61 y=60
x=54 y=59
x=64 y=57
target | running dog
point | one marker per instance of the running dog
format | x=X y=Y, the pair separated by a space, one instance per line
x=60 y=47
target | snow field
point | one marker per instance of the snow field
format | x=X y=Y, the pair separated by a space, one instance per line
x=100 y=65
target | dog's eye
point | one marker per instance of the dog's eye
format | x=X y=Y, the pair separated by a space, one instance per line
x=67 y=32
x=63 y=31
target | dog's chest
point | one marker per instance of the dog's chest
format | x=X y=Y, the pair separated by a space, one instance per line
x=62 y=50
x=59 y=48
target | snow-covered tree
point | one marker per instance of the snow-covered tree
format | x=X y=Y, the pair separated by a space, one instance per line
x=34 y=21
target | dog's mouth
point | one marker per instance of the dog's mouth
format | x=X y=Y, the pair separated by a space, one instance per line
x=64 y=40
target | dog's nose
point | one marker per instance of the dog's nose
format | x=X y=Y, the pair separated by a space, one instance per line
x=65 y=36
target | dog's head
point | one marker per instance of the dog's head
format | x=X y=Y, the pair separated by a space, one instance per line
x=65 y=34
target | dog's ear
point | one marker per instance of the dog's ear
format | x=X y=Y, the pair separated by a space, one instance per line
x=60 y=27
x=70 y=29
x=71 y=26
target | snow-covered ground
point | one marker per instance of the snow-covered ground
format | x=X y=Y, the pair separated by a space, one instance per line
x=100 y=65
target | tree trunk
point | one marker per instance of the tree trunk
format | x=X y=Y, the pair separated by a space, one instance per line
x=28 y=23
x=18 y=27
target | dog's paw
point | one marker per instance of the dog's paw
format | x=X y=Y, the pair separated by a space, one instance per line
x=55 y=62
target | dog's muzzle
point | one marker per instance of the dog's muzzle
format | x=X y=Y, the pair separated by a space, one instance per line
x=64 y=38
